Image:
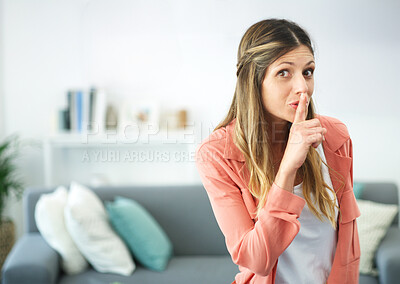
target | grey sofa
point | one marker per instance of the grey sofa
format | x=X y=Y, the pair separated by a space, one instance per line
x=387 y=258
x=200 y=255
x=184 y=212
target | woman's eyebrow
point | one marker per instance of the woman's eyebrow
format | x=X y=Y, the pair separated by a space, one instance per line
x=291 y=63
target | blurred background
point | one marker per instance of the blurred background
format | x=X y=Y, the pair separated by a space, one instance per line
x=155 y=78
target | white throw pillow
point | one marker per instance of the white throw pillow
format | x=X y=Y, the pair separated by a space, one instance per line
x=88 y=224
x=373 y=224
x=49 y=217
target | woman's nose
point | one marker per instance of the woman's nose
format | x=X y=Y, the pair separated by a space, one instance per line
x=300 y=84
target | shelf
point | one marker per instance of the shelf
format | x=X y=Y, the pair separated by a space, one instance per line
x=127 y=139
x=62 y=148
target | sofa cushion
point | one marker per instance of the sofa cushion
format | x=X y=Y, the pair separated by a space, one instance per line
x=88 y=224
x=358 y=188
x=49 y=217
x=182 y=269
x=373 y=224
x=141 y=232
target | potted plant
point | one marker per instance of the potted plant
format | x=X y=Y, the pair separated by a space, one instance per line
x=10 y=185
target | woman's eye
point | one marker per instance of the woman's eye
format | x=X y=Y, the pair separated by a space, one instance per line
x=283 y=73
x=309 y=72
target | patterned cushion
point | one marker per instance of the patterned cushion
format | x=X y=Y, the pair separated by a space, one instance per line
x=373 y=224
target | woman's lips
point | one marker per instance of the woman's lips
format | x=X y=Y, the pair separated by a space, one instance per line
x=294 y=106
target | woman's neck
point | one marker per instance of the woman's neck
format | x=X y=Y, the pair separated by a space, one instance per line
x=277 y=132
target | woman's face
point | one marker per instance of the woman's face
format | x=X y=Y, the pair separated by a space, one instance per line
x=284 y=81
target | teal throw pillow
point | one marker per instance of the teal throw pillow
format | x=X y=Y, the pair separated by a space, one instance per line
x=358 y=189
x=143 y=235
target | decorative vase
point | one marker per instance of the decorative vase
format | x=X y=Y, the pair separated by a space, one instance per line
x=7 y=239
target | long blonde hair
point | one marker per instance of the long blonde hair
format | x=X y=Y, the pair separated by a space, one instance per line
x=262 y=44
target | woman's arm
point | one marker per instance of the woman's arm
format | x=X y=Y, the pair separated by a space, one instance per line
x=258 y=245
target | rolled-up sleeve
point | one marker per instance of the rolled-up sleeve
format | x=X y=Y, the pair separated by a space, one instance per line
x=253 y=245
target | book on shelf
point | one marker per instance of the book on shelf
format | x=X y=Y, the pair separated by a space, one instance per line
x=85 y=111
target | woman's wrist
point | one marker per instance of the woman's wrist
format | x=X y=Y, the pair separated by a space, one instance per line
x=285 y=179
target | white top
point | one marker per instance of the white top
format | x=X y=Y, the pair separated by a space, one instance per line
x=309 y=258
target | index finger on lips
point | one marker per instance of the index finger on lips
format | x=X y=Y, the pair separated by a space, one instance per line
x=300 y=114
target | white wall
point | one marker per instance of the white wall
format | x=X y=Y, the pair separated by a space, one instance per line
x=1 y=72
x=183 y=53
x=13 y=207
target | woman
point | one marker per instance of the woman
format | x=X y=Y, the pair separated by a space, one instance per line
x=279 y=176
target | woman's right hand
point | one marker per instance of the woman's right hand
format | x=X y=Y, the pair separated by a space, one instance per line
x=303 y=134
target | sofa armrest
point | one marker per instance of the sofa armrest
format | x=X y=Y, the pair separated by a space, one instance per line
x=388 y=257
x=31 y=261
